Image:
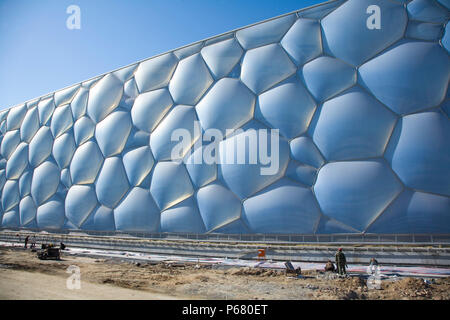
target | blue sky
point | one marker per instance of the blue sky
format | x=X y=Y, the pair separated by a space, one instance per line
x=39 y=54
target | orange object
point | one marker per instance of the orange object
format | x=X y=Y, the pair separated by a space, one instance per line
x=261 y=253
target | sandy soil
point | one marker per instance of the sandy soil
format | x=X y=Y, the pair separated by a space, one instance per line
x=24 y=276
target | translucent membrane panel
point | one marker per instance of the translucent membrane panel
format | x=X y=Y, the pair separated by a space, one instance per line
x=126 y=73
x=130 y=88
x=415 y=212
x=328 y=225
x=45 y=108
x=170 y=184
x=65 y=178
x=63 y=149
x=86 y=163
x=138 y=163
x=190 y=80
x=303 y=41
x=10 y=195
x=200 y=171
x=264 y=67
x=218 y=206
x=25 y=183
x=65 y=96
x=112 y=133
x=182 y=118
x=15 y=117
x=45 y=182
x=61 y=120
x=429 y=11
x=137 y=212
x=355 y=192
x=221 y=57
x=424 y=31
x=353 y=125
x=79 y=103
x=302 y=173
x=83 y=130
x=101 y=218
x=137 y=139
x=10 y=219
x=9 y=142
x=350 y=24
x=326 y=77
x=27 y=210
x=288 y=107
x=183 y=217
x=104 y=97
x=305 y=151
x=155 y=73
x=251 y=160
x=30 y=125
x=112 y=182
x=50 y=215
x=228 y=105
x=18 y=162
x=80 y=202
x=188 y=51
x=265 y=33
x=149 y=108
x=284 y=207
x=419 y=152
x=40 y=146
x=424 y=66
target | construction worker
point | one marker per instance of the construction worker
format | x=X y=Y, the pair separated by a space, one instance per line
x=26 y=241
x=341 y=262
x=329 y=266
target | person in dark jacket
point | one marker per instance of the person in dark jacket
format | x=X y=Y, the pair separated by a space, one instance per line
x=330 y=266
x=341 y=262
x=26 y=241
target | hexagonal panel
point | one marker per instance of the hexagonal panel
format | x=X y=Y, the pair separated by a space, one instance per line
x=288 y=107
x=30 y=125
x=199 y=170
x=83 y=130
x=305 y=151
x=228 y=105
x=80 y=202
x=155 y=73
x=170 y=184
x=112 y=133
x=112 y=182
x=65 y=96
x=265 y=66
x=27 y=210
x=104 y=97
x=349 y=24
x=79 y=103
x=15 y=117
x=86 y=163
x=51 y=214
x=63 y=149
x=40 y=146
x=11 y=219
x=353 y=126
x=221 y=57
x=138 y=163
x=45 y=108
x=45 y=182
x=428 y=11
x=18 y=162
x=101 y=218
x=183 y=217
x=356 y=192
x=424 y=66
x=25 y=183
x=10 y=195
x=149 y=108
x=190 y=80
x=302 y=173
x=9 y=143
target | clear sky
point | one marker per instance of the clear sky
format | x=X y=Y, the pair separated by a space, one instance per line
x=39 y=54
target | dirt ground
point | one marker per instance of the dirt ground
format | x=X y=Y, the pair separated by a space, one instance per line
x=24 y=276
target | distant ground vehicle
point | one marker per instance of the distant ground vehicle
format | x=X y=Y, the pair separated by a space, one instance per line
x=48 y=251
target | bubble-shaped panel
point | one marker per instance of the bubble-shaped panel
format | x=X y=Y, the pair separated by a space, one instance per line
x=15 y=117
x=137 y=212
x=190 y=80
x=228 y=105
x=240 y=168
x=9 y=143
x=155 y=73
x=137 y=139
x=302 y=173
x=10 y=195
x=415 y=212
x=149 y=108
x=264 y=67
x=130 y=88
x=423 y=66
x=200 y=171
x=183 y=217
x=218 y=205
x=353 y=125
x=170 y=184
x=45 y=108
x=80 y=202
x=18 y=162
x=305 y=151
x=45 y=182
x=264 y=33
x=181 y=118
x=65 y=96
x=284 y=207
x=27 y=210
x=326 y=76
x=25 y=183
x=104 y=97
x=65 y=177
x=30 y=125
x=86 y=163
x=123 y=74
x=112 y=133
x=102 y=219
x=288 y=107
x=63 y=149
x=429 y=11
x=419 y=152
x=221 y=57
x=10 y=219
x=355 y=192
x=40 y=146
x=138 y=163
x=303 y=41
x=79 y=103
x=50 y=215
x=83 y=130
x=112 y=182
x=424 y=30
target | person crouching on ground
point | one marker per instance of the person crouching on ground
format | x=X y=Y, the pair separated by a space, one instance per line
x=329 y=266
